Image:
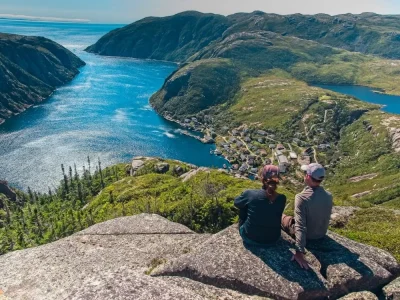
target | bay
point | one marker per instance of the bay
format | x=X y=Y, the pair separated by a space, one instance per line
x=390 y=103
x=104 y=113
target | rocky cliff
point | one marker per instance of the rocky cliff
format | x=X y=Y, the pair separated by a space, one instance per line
x=30 y=70
x=148 y=257
x=7 y=191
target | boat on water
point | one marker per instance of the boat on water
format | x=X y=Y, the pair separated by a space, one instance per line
x=377 y=92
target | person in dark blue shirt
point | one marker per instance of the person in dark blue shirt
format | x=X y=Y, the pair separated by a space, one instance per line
x=261 y=210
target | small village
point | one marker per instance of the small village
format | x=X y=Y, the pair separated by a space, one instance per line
x=247 y=149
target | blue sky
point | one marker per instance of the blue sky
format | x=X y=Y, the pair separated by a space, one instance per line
x=126 y=11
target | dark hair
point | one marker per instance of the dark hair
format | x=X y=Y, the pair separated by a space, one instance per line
x=315 y=180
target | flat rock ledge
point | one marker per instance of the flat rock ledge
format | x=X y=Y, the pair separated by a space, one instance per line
x=339 y=266
x=360 y=296
x=113 y=260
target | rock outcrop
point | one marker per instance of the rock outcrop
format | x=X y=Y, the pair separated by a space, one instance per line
x=341 y=215
x=107 y=261
x=395 y=136
x=112 y=260
x=339 y=266
x=161 y=168
x=392 y=290
x=30 y=70
x=7 y=191
x=360 y=296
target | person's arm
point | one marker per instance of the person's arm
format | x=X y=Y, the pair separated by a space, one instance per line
x=300 y=213
x=241 y=203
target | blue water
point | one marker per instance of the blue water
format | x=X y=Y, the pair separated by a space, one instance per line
x=391 y=104
x=103 y=113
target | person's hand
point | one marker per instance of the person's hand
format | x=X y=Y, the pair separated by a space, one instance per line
x=299 y=258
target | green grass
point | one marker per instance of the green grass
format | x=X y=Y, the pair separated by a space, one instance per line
x=376 y=227
x=204 y=203
x=362 y=152
x=271 y=101
x=352 y=69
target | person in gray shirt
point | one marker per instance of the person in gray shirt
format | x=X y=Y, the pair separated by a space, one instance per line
x=313 y=207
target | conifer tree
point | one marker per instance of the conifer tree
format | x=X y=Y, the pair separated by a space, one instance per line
x=101 y=175
x=66 y=189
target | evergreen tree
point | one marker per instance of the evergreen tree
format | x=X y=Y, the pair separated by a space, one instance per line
x=101 y=175
x=66 y=189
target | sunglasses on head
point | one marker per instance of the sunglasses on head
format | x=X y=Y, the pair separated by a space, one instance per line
x=272 y=182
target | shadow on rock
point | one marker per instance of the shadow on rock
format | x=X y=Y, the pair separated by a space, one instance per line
x=338 y=266
x=278 y=258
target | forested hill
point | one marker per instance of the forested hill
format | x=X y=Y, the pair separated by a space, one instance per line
x=30 y=70
x=173 y=38
x=177 y=37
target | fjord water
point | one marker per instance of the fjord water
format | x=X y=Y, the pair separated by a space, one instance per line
x=390 y=103
x=103 y=113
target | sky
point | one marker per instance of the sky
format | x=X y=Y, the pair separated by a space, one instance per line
x=127 y=11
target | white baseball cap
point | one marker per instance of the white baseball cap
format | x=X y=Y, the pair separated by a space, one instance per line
x=314 y=170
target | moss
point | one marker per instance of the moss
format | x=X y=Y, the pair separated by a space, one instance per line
x=155 y=262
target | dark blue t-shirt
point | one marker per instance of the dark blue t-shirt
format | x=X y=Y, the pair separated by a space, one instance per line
x=261 y=219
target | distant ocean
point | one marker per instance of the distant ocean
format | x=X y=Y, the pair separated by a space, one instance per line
x=103 y=113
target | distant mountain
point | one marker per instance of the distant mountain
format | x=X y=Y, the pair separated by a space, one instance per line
x=177 y=37
x=218 y=52
x=30 y=70
x=213 y=75
x=173 y=38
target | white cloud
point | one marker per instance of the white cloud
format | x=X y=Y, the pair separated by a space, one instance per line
x=46 y=19
x=270 y=6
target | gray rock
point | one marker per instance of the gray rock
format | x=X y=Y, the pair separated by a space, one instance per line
x=395 y=136
x=392 y=290
x=341 y=215
x=360 y=296
x=138 y=224
x=103 y=263
x=178 y=170
x=208 y=291
x=185 y=177
x=111 y=260
x=342 y=266
x=137 y=163
x=161 y=168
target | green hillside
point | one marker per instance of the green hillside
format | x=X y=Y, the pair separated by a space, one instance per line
x=30 y=70
x=177 y=37
x=171 y=38
x=202 y=83
x=202 y=201
x=246 y=80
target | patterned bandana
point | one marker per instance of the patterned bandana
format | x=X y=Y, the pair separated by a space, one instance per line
x=270 y=172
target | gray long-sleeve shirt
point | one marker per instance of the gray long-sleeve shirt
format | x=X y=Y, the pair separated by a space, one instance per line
x=313 y=209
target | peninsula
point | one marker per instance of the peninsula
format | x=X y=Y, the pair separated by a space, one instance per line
x=31 y=68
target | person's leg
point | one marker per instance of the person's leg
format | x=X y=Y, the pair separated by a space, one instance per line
x=287 y=225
